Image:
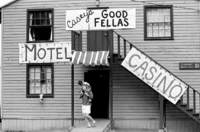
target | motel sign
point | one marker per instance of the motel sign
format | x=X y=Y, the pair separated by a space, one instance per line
x=45 y=52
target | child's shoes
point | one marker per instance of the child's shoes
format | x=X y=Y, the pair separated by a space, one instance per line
x=93 y=123
x=89 y=125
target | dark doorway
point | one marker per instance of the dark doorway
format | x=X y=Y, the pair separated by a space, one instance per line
x=99 y=81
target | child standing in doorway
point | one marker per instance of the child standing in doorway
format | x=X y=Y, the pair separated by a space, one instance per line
x=86 y=95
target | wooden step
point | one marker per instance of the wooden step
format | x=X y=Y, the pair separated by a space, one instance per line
x=134 y=130
x=196 y=114
x=101 y=126
x=183 y=105
x=189 y=109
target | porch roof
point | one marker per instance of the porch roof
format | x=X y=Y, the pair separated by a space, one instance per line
x=90 y=58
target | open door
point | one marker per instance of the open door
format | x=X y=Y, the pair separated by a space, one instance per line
x=99 y=81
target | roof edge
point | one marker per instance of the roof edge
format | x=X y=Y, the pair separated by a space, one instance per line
x=7 y=4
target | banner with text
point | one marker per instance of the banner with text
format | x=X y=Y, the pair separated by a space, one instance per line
x=45 y=52
x=154 y=75
x=100 y=19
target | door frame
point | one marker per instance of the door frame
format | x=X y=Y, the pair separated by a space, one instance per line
x=109 y=101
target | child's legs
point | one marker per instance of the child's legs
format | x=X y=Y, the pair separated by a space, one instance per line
x=85 y=113
x=86 y=110
x=85 y=117
x=90 y=118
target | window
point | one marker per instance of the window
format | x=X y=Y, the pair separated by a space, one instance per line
x=158 y=23
x=40 y=25
x=77 y=40
x=40 y=79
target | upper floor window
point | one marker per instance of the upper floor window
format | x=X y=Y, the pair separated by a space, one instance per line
x=40 y=80
x=40 y=25
x=158 y=23
x=77 y=40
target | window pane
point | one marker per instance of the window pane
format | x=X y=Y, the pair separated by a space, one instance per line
x=77 y=40
x=167 y=29
x=32 y=73
x=150 y=30
x=44 y=87
x=37 y=73
x=43 y=75
x=48 y=70
x=161 y=29
x=49 y=87
x=40 y=33
x=32 y=79
x=49 y=18
x=37 y=89
x=47 y=84
x=31 y=19
x=155 y=30
x=32 y=87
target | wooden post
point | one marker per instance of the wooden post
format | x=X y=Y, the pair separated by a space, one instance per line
x=72 y=95
x=118 y=45
x=110 y=40
x=72 y=80
x=162 y=125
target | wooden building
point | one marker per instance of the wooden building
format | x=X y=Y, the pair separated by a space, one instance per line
x=167 y=31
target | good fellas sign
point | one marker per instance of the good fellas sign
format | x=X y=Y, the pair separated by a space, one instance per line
x=100 y=19
x=154 y=75
x=45 y=52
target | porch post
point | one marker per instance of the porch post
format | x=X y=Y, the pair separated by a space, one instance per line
x=162 y=123
x=72 y=80
x=111 y=96
x=72 y=95
x=110 y=40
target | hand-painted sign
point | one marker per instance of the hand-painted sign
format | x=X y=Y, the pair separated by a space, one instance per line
x=154 y=75
x=45 y=52
x=100 y=19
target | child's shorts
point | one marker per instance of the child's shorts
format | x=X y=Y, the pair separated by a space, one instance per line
x=86 y=109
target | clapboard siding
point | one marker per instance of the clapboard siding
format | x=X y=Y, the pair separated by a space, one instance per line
x=132 y=99
x=35 y=124
x=135 y=105
x=184 y=48
x=15 y=104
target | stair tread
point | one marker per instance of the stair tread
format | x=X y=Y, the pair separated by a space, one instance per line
x=189 y=109
x=196 y=114
x=183 y=104
x=135 y=130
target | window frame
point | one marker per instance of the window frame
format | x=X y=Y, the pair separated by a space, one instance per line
x=27 y=25
x=28 y=95
x=76 y=45
x=171 y=22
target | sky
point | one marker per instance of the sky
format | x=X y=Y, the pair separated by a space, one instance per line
x=3 y=2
